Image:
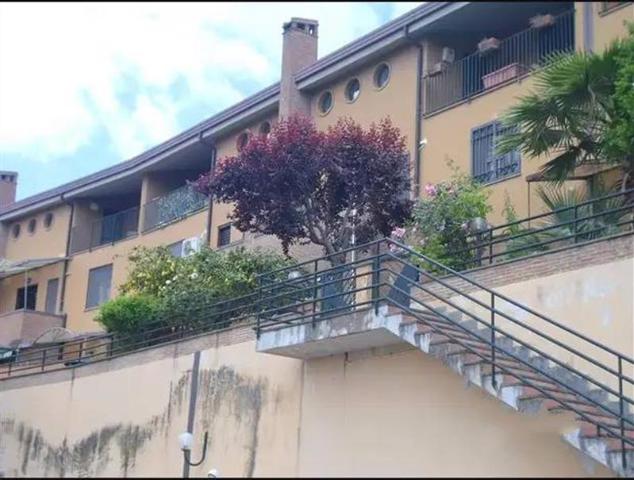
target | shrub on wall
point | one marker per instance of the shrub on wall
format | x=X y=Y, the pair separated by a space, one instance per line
x=440 y=227
x=185 y=293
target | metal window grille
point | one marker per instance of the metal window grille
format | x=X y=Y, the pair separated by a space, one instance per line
x=99 y=280
x=487 y=165
x=224 y=235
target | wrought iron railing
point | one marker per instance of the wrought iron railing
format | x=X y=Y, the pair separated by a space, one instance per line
x=605 y=216
x=172 y=206
x=513 y=57
x=106 y=230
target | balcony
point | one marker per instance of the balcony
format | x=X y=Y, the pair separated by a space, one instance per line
x=497 y=62
x=26 y=325
x=172 y=206
x=105 y=230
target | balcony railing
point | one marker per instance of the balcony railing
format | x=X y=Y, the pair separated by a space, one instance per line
x=512 y=58
x=174 y=205
x=108 y=229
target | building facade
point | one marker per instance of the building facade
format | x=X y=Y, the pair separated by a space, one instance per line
x=68 y=247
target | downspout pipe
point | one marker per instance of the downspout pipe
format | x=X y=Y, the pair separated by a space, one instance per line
x=62 y=294
x=418 y=119
x=212 y=166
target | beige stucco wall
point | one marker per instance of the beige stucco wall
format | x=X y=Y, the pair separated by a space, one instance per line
x=397 y=100
x=407 y=414
x=393 y=412
x=610 y=25
x=125 y=420
x=44 y=242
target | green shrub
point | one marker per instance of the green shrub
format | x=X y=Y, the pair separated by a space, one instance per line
x=129 y=314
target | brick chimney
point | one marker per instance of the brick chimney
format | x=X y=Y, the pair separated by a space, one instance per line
x=299 y=49
x=8 y=186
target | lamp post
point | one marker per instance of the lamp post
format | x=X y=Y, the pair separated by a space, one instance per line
x=185 y=441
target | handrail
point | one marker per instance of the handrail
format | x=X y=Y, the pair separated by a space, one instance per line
x=511 y=301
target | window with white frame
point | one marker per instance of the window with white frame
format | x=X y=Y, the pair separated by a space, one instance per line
x=486 y=165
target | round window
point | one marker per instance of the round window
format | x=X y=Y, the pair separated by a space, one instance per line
x=31 y=225
x=265 y=129
x=16 y=230
x=243 y=139
x=353 y=89
x=325 y=102
x=48 y=220
x=381 y=75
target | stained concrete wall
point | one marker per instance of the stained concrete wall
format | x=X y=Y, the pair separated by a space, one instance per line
x=390 y=411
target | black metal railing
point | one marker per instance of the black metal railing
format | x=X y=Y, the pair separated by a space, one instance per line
x=605 y=216
x=106 y=230
x=513 y=57
x=172 y=206
x=385 y=273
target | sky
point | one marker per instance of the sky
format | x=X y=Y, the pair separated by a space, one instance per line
x=84 y=86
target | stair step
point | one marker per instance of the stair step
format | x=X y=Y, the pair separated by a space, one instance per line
x=589 y=430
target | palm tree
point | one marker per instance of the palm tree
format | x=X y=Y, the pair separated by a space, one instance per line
x=569 y=114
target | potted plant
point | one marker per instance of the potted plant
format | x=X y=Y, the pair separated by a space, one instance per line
x=541 y=21
x=488 y=45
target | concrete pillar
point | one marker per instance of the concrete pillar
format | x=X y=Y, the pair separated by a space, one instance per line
x=299 y=49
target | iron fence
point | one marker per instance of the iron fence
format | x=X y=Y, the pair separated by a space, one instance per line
x=510 y=59
x=106 y=230
x=604 y=216
x=172 y=206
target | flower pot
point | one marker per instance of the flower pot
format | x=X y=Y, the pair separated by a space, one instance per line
x=541 y=21
x=502 y=75
x=488 y=44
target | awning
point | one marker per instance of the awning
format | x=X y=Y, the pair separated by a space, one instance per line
x=8 y=267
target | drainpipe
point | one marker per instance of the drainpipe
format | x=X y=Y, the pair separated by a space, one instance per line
x=418 y=119
x=212 y=166
x=66 y=260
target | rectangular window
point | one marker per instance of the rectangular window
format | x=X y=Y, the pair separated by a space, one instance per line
x=99 y=280
x=224 y=235
x=486 y=165
x=176 y=248
x=51 y=295
x=26 y=302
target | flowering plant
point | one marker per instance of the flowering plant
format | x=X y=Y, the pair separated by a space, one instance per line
x=440 y=225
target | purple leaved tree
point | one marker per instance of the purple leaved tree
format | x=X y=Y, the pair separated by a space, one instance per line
x=303 y=185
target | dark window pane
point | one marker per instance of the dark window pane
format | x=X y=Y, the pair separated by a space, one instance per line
x=224 y=235
x=487 y=165
x=31 y=298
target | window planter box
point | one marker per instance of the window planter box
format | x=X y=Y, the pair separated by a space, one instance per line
x=503 y=74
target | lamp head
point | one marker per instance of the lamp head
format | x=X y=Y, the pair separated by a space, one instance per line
x=185 y=441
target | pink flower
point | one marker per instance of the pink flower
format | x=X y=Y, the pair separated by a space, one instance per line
x=430 y=189
x=398 y=232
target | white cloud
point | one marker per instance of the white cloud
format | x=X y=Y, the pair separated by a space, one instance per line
x=61 y=65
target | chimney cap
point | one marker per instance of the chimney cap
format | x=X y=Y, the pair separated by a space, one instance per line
x=12 y=176
x=305 y=24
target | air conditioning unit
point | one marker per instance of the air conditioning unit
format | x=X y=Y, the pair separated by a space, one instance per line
x=448 y=54
x=191 y=246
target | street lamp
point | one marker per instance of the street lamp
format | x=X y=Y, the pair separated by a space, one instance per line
x=185 y=441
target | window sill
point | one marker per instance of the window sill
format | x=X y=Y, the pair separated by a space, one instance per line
x=500 y=180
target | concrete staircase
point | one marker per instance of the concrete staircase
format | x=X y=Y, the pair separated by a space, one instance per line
x=519 y=386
